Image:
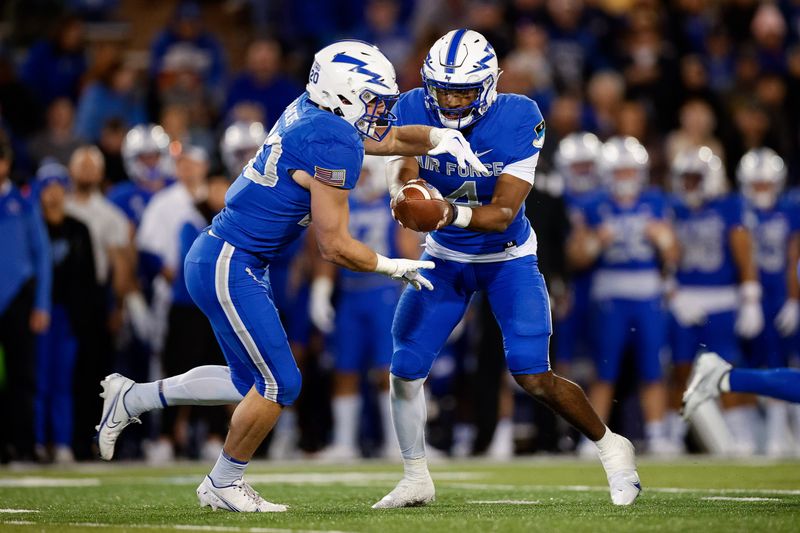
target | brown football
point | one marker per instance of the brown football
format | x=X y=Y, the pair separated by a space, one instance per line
x=419 y=206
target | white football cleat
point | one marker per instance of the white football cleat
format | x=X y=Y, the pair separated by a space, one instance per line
x=115 y=416
x=239 y=497
x=408 y=493
x=708 y=371
x=619 y=463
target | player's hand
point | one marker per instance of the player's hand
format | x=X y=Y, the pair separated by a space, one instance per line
x=446 y=140
x=320 y=309
x=40 y=321
x=606 y=235
x=685 y=310
x=788 y=318
x=405 y=270
x=750 y=320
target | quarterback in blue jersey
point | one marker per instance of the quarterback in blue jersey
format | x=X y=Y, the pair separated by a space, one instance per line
x=305 y=169
x=717 y=297
x=630 y=240
x=487 y=245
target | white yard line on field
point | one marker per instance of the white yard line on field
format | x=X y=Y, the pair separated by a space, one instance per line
x=173 y=527
x=589 y=488
x=39 y=482
x=505 y=502
x=735 y=499
x=13 y=511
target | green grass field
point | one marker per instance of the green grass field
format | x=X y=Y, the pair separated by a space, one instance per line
x=694 y=494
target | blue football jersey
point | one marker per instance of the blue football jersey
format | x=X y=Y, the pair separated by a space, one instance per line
x=371 y=223
x=265 y=209
x=512 y=130
x=772 y=230
x=132 y=198
x=631 y=249
x=704 y=235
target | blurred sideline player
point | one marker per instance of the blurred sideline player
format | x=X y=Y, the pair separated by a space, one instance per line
x=629 y=239
x=310 y=161
x=776 y=232
x=576 y=163
x=717 y=295
x=486 y=244
x=364 y=303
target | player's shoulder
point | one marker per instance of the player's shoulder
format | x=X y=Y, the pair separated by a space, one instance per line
x=520 y=117
x=411 y=108
x=413 y=97
x=319 y=127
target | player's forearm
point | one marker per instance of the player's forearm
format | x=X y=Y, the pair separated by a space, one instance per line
x=792 y=282
x=742 y=250
x=488 y=218
x=399 y=172
x=348 y=253
x=402 y=140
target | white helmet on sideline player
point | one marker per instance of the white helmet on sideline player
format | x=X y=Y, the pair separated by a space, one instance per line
x=346 y=77
x=624 y=166
x=462 y=61
x=576 y=161
x=239 y=144
x=761 y=174
x=698 y=176
x=145 y=153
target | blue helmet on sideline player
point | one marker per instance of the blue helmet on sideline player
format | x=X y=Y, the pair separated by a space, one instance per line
x=462 y=65
x=356 y=82
x=240 y=141
x=576 y=161
x=698 y=176
x=761 y=174
x=145 y=153
x=624 y=164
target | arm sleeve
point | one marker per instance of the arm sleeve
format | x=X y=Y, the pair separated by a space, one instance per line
x=334 y=156
x=42 y=260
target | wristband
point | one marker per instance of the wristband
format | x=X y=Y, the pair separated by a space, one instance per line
x=750 y=291
x=463 y=216
x=435 y=136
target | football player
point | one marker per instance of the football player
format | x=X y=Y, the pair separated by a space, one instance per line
x=485 y=244
x=629 y=240
x=776 y=231
x=306 y=167
x=718 y=295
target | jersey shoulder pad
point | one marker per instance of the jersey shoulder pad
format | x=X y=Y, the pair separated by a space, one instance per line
x=521 y=118
x=410 y=107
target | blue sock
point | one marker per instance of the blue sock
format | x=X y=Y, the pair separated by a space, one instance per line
x=780 y=383
x=227 y=470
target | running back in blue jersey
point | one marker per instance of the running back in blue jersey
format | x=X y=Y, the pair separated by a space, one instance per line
x=511 y=131
x=265 y=209
x=704 y=234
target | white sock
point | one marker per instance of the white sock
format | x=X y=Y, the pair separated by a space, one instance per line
x=409 y=414
x=143 y=397
x=676 y=428
x=606 y=442
x=725 y=383
x=742 y=423
x=202 y=385
x=656 y=430
x=385 y=407
x=503 y=438
x=227 y=470
x=778 y=433
x=346 y=411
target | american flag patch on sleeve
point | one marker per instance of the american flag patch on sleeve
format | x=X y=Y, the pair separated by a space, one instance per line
x=330 y=177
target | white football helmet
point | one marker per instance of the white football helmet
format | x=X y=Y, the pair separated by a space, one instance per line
x=761 y=174
x=239 y=144
x=698 y=176
x=576 y=161
x=461 y=61
x=352 y=79
x=624 y=165
x=145 y=153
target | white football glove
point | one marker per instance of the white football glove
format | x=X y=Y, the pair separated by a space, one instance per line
x=685 y=310
x=405 y=270
x=788 y=318
x=750 y=320
x=445 y=140
x=320 y=309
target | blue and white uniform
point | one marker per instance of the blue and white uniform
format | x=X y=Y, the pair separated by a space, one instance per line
x=507 y=138
x=266 y=211
x=626 y=287
x=772 y=231
x=366 y=301
x=709 y=277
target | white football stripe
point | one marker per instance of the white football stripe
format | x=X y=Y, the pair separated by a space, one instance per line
x=425 y=193
x=735 y=499
x=18 y=511
x=38 y=482
x=506 y=502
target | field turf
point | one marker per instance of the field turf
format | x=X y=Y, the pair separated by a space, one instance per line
x=542 y=494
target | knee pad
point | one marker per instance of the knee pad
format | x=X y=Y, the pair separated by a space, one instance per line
x=409 y=364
